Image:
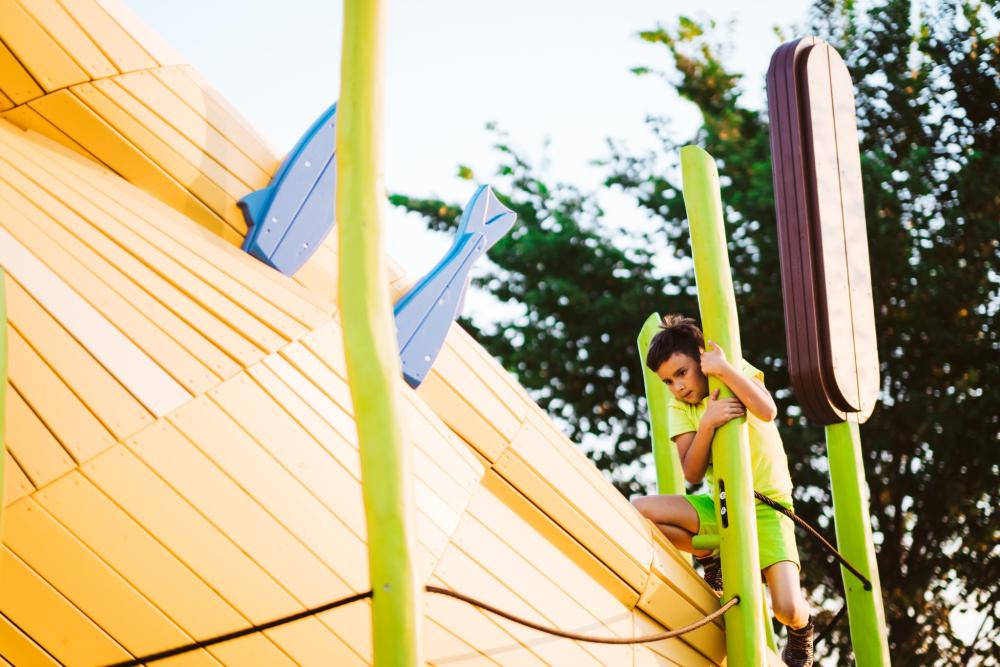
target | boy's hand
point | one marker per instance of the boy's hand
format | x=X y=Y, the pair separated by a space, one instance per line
x=721 y=411
x=713 y=359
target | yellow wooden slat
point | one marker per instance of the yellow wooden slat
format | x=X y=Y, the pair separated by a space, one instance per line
x=661 y=603
x=674 y=567
x=87 y=128
x=45 y=615
x=136 y=555
x=538 y=589
x=343 y=448
x=16 y=484
x=40 y=54
x=27 y=118
x=20 y=649
x=223 y=118
x=489 y=371
x=671 y=651
x=151 y=91
x=110 y=402
x=15 y=80
x=93 y=588
x=319 y=273
x=121 y=281
x=41 y=456
x=5 y=102
x=263 y=417
x=282 y=496
x=443 y=647
x=162 y=151
x=171 y=356
x=79 y=432
x=452 y=453
x=212 y=555
x=151 y=42
x=453 y=369
x=461 y=417
x=331 y=384
x=68 y=35
x=332 y=413
x=162 y=287
x=118 y=45
x=458 y=572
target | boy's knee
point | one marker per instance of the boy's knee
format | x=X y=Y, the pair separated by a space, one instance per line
x=793 y=613
x=641 y=503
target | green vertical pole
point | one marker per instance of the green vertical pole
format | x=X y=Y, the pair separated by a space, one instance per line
x=3 y=393
x=371 y=350
x=854 y=539
x=745 y=643
x=669 y=473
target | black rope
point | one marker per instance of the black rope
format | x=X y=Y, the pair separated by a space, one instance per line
x=193 y=646
x=829 y=626
x=816 y=534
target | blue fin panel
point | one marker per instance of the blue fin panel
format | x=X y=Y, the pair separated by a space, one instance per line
x=425 y=313
x=290 y=217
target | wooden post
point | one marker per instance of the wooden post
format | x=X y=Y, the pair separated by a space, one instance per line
x=745 y=642
x=370 y=343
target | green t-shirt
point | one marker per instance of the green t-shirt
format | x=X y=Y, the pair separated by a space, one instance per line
x=767 y=455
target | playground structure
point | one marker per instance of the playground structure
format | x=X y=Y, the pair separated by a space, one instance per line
x=182 y=446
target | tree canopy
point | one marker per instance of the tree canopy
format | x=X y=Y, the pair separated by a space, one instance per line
x=927 y=90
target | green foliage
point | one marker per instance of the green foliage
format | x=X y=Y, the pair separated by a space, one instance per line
x=928 y=98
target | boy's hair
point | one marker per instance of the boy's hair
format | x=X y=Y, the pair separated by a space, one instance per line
x=677 y=334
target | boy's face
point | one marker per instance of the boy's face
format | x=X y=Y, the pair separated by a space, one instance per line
x=683 y=377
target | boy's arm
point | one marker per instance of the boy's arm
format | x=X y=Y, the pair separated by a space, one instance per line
x=753 y=394
x=695 y=447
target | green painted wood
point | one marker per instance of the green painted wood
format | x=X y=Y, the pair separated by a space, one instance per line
x=854 y=539
x=669 y=473
x=370 y=347
x=745 y=643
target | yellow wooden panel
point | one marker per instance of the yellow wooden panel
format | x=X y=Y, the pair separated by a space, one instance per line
x=71 y=115
x=228 y=122
x=15 y=80
x=327 y=343
x=175 y=111
x=16 y=484
x=476 y=391
x=39 y=454
x=343 y=447
x=45 y=615
x=110 y=402
x=662 y=603
x=443 y=647
x=151 y=42
x=117 y=44
x=165 y=314
x=163 y=151
x=671 y=651
x=171 y=356
x=161 y=285
x=505 y=509
x=210 y=554
x=319 y=400
x=538 y=489
x=524 y=575
x=5 y=102
x=674 y=568
x=68 y=35
x=20 y=649
x=40 y=54
x=238 y=514
x=272 y=487
x=290 y=444
x=489 y=371
x=462 y=573
x=65 y=563
x=63 y=413
x=452 y=453
x=461 y=417
x=152 y=570
x=550 y=463
x=27 y=118
x=307 y=363
x=319 y=273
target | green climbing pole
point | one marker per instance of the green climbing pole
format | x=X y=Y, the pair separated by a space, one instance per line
x=669 y=473
x=745 y=634
x=372 y=354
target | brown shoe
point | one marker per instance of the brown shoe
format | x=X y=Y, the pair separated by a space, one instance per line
x=712 y=571
x=798 y=651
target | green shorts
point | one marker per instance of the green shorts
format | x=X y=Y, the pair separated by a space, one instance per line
x=775 y=531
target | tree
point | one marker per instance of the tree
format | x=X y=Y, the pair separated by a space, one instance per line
x=928 y=98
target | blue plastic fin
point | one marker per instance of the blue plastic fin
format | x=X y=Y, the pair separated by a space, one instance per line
x=424 y=315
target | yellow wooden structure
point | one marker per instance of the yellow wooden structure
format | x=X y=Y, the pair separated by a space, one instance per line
x=181 y=455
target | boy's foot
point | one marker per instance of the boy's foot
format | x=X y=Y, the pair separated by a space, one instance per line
x=712 y=574
x=798 y=650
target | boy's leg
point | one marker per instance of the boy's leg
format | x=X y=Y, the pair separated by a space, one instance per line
x=792 y=610
x=675 y=517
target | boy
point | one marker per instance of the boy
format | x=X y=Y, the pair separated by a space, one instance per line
x=679 y=356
